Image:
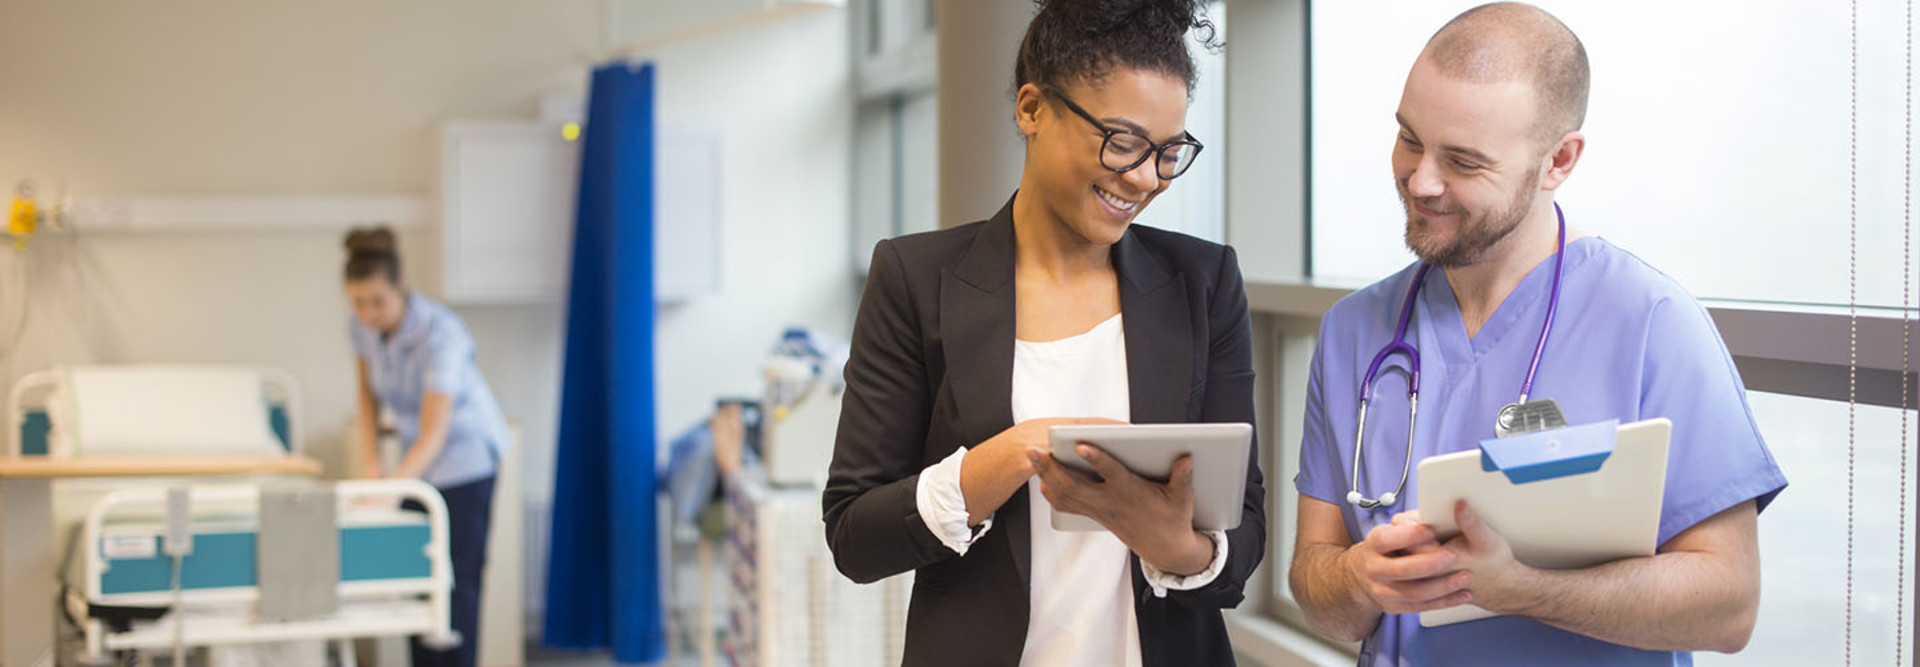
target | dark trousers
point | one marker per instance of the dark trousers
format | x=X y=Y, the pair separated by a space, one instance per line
x=469 y=513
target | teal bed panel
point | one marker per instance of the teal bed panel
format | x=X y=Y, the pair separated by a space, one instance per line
x=384 y=552
x=219 y=560
x=226 y=560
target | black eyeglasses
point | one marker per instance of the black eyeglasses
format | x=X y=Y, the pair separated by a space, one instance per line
x=1123 y=150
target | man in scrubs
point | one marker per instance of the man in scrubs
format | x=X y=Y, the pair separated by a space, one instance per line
x=1488 y=131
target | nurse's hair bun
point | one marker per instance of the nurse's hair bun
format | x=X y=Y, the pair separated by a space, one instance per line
x=372 y=241
x=371 y=252
x=1072 y=41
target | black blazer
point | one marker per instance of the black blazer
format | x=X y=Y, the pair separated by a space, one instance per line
x=932 y=371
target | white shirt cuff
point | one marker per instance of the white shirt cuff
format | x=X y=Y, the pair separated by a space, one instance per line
x=1162 y=582
x=943 y=507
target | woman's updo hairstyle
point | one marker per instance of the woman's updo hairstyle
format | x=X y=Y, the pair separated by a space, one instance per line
x=1072 y=41
x=373 y=252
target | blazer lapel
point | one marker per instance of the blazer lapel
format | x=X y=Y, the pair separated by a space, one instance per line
x=976 y=332
x=1159 y=332
x=1159 y=347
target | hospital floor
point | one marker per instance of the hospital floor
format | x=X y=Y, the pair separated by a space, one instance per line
x=541 y=657
x=538 y=657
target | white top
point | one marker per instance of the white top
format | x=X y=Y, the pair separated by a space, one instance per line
x=1081 y=598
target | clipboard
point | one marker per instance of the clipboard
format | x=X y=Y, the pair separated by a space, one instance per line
x=1567 y=498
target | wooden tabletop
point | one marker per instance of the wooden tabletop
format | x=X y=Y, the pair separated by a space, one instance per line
x=36 y=467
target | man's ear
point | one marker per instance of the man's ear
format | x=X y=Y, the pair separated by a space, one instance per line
x=1560 y=163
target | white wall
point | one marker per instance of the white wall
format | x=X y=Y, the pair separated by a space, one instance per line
x=198 y=97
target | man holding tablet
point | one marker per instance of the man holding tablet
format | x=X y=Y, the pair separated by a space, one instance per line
x=1463 y=346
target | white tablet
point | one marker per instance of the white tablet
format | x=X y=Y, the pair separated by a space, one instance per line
x=1150 y=450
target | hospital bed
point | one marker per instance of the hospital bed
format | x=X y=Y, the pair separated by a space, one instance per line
x=270 y=560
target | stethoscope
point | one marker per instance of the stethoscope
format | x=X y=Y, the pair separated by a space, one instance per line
x=1511 y=416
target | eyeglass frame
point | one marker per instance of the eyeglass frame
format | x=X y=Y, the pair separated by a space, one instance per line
x=1152 y=150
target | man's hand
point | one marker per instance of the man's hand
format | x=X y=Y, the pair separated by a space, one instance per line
x=1498 y=581
x=1404 y=569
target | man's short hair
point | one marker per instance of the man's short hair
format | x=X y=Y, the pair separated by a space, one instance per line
x=1505 y=41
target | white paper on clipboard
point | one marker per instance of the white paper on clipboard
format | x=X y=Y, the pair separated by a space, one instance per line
x=1568 y=522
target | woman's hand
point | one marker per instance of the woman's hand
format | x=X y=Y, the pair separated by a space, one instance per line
x=436 y=420
x=1153 y=519
x=994 y=470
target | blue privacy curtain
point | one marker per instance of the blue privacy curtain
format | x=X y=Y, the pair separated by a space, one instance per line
x=603 y=573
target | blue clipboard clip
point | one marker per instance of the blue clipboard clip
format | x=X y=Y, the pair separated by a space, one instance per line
x=1543 y=455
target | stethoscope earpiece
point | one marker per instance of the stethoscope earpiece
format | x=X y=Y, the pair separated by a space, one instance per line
x=1386 y=499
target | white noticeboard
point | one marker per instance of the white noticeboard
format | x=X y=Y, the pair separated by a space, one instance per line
x=1574 y=521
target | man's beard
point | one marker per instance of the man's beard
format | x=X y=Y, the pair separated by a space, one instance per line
x=1476 y=235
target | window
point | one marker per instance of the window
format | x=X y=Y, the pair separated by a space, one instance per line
x=1294 y=359
x=1803 y=537
x=894 y=132
x=1718 y=140
x=1196 y=202
x=894 y=164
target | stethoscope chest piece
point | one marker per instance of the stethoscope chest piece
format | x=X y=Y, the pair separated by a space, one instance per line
x=1528 y=417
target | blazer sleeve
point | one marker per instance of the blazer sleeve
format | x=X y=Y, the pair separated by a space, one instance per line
x=873 y=525
x=1229 y=398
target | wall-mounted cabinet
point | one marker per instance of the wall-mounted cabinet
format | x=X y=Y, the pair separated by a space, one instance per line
x=506 y=211
x=507 y=198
